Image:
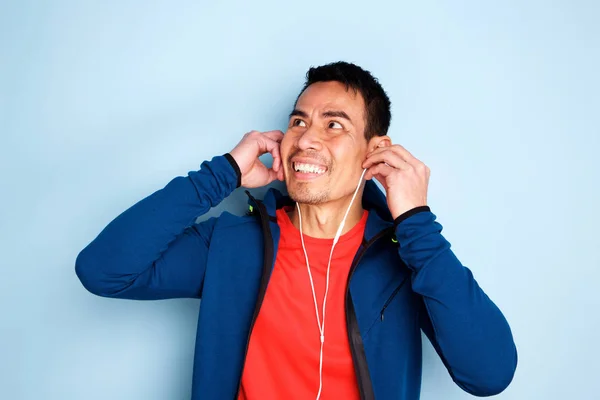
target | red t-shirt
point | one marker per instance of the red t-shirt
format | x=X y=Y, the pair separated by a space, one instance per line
x=283 y=354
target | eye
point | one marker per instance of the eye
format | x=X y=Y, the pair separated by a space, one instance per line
x=298 y=122
x=335 y=125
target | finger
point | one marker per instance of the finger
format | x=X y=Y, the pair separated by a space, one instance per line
x=272 y=175
x=272 y=147
x=388 y=157
x=275 y=175
x=381 y=179
x=406 y=155
x=400 y=150
x=379 y=169
x=276 y=135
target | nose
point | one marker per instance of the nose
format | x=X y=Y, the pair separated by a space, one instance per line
x=310 y=139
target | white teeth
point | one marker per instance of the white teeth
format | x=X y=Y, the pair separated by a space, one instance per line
x=308 y=168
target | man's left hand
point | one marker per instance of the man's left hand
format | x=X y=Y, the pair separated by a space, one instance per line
x=404 y=178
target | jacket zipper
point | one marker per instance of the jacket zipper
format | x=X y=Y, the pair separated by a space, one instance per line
x=264 y=279
x=357 y=350
x=394 y=293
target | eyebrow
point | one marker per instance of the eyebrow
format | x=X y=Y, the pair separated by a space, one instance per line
x=326 y=114
x=298 y=113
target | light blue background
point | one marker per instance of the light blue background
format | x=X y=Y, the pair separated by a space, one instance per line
x=102 y=103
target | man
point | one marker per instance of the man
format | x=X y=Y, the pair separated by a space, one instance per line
x=313 y=294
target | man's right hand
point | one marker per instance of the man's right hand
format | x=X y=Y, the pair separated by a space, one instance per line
x=253 y=145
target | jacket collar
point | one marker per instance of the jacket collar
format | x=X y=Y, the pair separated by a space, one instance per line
x=373 y=200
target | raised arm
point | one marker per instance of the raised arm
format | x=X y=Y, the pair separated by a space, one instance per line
x=466 y=328
x=468 y=331
x=154 y=250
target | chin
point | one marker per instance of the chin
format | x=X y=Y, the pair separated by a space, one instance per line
x=305 y=195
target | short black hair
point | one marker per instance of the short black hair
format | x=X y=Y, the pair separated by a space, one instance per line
x=377 y=103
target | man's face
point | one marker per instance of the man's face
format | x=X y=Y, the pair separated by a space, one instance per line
x=325 y=139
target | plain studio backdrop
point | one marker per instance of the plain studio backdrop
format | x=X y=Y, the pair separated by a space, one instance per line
x=102 y=103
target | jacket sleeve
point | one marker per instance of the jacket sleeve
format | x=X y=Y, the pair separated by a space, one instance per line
x=466 y=328
x=154 y=250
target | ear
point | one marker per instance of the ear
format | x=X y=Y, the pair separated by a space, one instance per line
x=379 y=141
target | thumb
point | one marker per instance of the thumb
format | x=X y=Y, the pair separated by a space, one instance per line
x=272 y=175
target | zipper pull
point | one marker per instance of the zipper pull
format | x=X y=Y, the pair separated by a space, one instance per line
x=382 y=315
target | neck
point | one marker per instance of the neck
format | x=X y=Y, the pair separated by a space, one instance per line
x=323 y=220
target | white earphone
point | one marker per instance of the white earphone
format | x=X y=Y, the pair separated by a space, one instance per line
x=320 y=324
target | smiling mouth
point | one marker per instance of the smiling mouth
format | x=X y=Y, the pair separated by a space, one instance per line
x=308 y=169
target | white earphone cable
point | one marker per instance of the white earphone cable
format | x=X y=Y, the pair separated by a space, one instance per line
x=320 y=324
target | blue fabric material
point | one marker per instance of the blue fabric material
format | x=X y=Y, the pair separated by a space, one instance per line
x=407 y=281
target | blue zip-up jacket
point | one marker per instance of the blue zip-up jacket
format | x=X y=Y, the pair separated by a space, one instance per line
x=404 y=279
